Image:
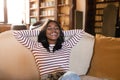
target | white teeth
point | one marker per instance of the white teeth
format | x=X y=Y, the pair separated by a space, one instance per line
x=53 y=34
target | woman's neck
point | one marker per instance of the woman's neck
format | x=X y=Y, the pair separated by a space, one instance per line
x=51 y=42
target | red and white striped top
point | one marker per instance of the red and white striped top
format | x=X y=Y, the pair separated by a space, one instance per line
x=49 y=62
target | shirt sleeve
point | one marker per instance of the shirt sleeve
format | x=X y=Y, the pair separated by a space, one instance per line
x=75 y=35
x=23 y=36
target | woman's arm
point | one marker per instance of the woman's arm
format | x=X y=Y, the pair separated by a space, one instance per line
x=27 y=33
x=23 y=36
x=72 y=32
x=74 y=36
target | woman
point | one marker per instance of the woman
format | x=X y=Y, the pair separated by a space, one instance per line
x=51 y=51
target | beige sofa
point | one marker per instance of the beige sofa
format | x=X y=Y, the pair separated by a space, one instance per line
x=97 y=56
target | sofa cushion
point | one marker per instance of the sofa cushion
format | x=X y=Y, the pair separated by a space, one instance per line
x=106 y=58
x=81 y=55
x=86 y=77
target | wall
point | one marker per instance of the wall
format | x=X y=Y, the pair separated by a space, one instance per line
x=27 y=12
x=80 y=5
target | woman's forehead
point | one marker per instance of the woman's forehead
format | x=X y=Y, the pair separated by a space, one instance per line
x=52 y=24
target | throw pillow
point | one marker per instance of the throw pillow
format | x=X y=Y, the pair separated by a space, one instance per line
x=81 y=54
x=106 y=58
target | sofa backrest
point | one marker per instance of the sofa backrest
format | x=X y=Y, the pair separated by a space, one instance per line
x=17 y=62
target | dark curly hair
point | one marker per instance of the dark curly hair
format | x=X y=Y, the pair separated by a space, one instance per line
x=43 y=39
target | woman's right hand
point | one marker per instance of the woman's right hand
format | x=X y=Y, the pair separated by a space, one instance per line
x=44 y=24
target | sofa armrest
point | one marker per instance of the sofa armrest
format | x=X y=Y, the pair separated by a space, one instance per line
x=16 y=61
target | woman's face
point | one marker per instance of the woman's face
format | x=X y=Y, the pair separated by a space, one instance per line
x=52 y=32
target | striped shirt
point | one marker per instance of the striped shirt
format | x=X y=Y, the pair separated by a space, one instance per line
x=48 y=62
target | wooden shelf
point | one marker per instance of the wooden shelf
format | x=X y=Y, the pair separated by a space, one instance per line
x=33 y=9
x=99 y=8
x=98 y=14
x=63 y=15
x=47 y=7
x=33 y=16
x=46 y=16
x=102 y=2
x=61 y=5
x=32 y=1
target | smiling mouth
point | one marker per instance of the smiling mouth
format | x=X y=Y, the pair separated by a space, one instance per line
x=53 y=34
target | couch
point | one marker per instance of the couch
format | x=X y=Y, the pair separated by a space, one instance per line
x=93 y=58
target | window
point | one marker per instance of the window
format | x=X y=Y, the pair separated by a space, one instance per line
x=1 y=10
x=12 y=11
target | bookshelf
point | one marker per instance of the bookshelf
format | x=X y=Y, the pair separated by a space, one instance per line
x=95 y=13
x=100 y=5
x=59 y=10
x=33 y=11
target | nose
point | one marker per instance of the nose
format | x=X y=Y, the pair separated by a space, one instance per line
x=53 y=29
